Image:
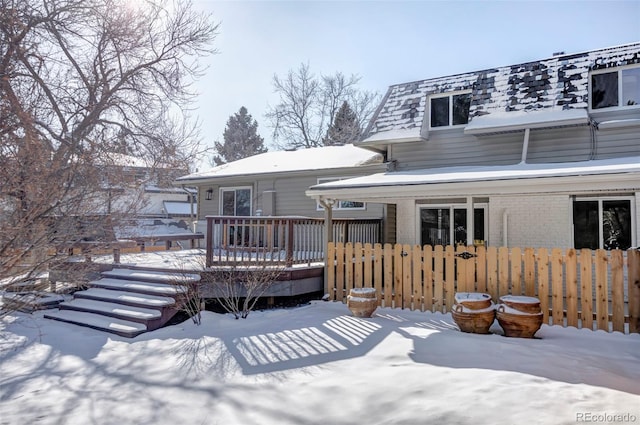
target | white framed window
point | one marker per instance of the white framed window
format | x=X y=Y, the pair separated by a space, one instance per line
x=341 y=205
x=447 y=224
x=604 y=222
x=617 y=88
x=450 y=109
x=235 y=201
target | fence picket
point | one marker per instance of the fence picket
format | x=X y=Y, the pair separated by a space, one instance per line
x=529 y=272
x=406 y=276
x=572 y=287
x=397 y=276
x=617 y=290
x=602 y=298
x=471 y=270
x=633 y=282
x=348 y=262
x=557 y=303
x=586 y=288
x=417 y=279
x=377 y=271
x=331 y=272
x=388 y=275
x=503 y=271
x=367 y=262
x=481 y=269
x=357 y=265
x=543 y=283
x=438 y=278
x=340 y=272
x=449 y=277
x=427 y=278
x=461 y=270
x=516 y=271
x=492 y=272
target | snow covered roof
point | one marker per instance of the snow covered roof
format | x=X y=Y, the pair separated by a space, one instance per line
x=327 y=157
x=483 y=174
x=553 y=84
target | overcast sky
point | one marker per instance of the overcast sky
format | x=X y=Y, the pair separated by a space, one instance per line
x=389 y=42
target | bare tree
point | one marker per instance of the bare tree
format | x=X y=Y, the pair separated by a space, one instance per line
x=239 y=286
x=81 y=80
x=308 y=105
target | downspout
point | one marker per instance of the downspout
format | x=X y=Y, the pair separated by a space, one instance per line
x=505 y=228
x=525 y=146
x=470 y=229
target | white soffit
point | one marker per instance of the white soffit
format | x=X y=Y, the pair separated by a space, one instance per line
x=498 y=122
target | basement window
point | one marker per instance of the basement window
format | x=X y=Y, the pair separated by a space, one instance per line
x=449 y=110
x=619 y=88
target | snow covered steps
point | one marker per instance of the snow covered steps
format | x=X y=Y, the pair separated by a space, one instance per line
x=127 y=302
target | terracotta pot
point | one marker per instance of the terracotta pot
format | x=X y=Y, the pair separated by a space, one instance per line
x=518 y=324
x=362 y=301
x=473 y=300
x=521 y=303
x=473 y=321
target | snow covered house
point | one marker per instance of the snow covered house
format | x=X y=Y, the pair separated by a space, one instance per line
x=274 y=183
x=538 y=154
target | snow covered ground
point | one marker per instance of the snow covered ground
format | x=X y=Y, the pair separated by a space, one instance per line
x=314 y=364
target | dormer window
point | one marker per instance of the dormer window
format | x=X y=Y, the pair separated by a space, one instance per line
x=616 y=88
x=449 y=109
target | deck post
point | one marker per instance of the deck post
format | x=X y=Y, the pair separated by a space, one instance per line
x=327 y=204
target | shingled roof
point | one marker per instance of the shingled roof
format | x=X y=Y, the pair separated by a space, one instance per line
x=557 y=83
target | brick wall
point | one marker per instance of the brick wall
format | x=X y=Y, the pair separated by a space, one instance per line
x=535 y=221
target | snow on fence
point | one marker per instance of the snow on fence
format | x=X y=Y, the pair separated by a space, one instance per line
x=581 y=288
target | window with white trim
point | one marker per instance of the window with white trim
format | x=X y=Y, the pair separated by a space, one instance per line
x=617 y=88
x=449 y=109
x=447 y=224
x=603 y=223
x=341 y=205
x=235 y=201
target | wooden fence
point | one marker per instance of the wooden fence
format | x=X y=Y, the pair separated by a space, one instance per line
x=581 y=288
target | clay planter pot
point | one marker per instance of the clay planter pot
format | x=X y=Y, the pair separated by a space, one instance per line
x=473 y=300
x=362 y=301
x=474 y=321
x=518 y=324
x=520 y=303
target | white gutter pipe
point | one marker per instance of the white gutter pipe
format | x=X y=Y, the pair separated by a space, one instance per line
x=525 y=146
x=505 y=228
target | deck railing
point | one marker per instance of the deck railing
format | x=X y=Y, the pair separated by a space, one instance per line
x=280 y=240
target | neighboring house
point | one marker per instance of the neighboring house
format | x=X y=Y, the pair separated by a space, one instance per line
x=154 y=208
x=274 y=183
x=539 y=154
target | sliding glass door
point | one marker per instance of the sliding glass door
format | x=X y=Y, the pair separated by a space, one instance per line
x=448 y=225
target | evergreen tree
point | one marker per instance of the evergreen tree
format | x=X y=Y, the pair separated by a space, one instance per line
x=241 y=139
x=344 y=128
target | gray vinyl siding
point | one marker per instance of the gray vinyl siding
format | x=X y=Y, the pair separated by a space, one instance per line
x=453 y=148
x=559 y=145
x=290 y=198
x=447 y=148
